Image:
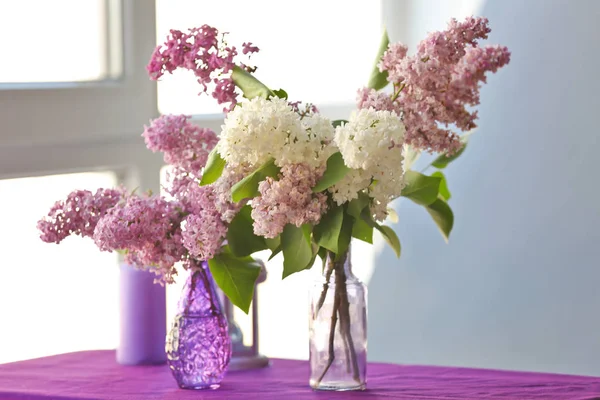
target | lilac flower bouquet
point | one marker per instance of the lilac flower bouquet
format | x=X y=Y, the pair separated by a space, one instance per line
x=304 y=185
x=283 y=177
x=309 y=184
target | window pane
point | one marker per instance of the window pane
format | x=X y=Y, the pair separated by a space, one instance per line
x=318 y=51
x=53 y=41
x=53 y=298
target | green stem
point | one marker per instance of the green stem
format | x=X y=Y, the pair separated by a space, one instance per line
x=334 y=318
x=397 y=93
x=345 y=323
x=341 y=314
x=328 y=273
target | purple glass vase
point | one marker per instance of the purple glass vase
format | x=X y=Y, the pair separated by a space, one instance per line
x=198 y=346
x=338 y=328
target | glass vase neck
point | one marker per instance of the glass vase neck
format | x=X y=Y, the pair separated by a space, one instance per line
x=201 y=298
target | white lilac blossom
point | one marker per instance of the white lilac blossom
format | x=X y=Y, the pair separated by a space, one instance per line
x=371 y=143
x=263 y=129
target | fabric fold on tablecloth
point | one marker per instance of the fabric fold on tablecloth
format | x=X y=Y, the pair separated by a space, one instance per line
x=95 y=375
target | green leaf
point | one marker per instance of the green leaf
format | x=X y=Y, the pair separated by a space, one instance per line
x=249 y=85
x=421 y=189
x=247 y=188
x=362 y=231
x=356 y=206
x=345 y=236
x=444 y=191
x=274 y=252
x=273 y=243
x=307 y=231
x=235 y=276
x=391 y=238
x=297 y=251
x=443 y=217
x=378 y=79
x=388 y=233
x=282 y=94
x=338 y=122
x=213 y=169
x=322 y=253
x=335 y=172
x=327 y=232
x=240 y=235
x=315 y=252
x=443 y=160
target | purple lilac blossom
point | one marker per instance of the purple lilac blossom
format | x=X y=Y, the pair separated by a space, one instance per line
x=148 y=229
x=78 y=214
x=184 y=144
x=249 y=48
x=201 y=51
x=203 y=233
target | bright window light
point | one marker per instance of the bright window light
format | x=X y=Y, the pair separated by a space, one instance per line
x=318 y=51
x=53 y=298
x=53 y=41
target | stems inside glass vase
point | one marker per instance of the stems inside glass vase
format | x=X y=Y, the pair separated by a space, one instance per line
x=340 y=315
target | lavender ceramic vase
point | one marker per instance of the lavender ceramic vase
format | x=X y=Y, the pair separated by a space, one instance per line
x=338 y=328
x=198 y=346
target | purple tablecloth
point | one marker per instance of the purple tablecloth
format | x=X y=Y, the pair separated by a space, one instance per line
x=96 y=375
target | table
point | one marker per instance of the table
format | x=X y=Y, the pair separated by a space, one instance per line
x=96 y=375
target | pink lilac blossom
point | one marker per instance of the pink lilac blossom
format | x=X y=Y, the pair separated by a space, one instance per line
x=204 y=229
x=289 y=200
x=222 y=189
x=78 y=214
x=389 y=61
x=178 y=186
x=224 y=91
x=471 y=69
x=186 y=189
x=370 y=98
x=434 y=87
x=248 y=48
x=203 y=234
x=303 y=110
x=208 y=209
x=184 y=144
x=201 y=51
x=148 y=229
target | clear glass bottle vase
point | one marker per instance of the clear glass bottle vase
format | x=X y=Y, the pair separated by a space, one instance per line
x=338 y=328
x=198 y=345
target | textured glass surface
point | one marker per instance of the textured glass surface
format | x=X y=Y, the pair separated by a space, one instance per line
x=198 y=345
x=338 y=329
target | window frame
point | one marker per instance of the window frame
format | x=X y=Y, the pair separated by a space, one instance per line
x=66 y=127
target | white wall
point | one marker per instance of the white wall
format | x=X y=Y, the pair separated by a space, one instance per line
x=517 y=287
